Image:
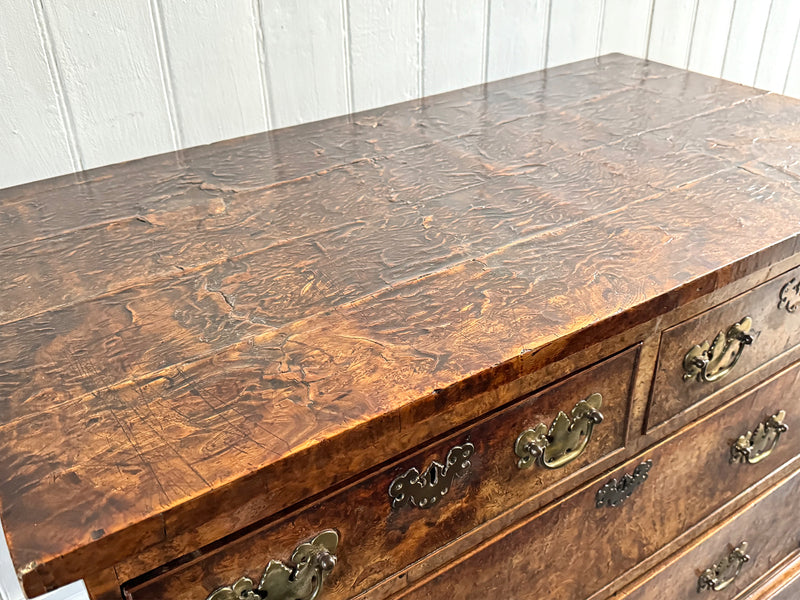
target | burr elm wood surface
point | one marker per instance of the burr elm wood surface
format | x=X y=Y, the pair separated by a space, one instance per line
x=519 y=565
x=774 y=331
x=196 y=341
x=600 y=543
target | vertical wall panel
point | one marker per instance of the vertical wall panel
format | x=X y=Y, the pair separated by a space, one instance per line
x=517 y=37
x=671 y=31
x=574 y=30
x=306 y=57
x=108 y=56
x=626 y=24
x=33 y=135
x=744 y=43
x=385 y=61
x=218 y=94
x=91 y=82
x=712 y=25
x=782 y=26
x=792 y=86
x=454 y=48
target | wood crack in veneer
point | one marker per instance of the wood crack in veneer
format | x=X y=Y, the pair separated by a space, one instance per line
x=231 y=339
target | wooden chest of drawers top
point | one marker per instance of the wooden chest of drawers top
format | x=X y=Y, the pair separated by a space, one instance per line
x=193 y=342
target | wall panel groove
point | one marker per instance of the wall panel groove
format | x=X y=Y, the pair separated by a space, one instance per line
x=348 y=54
x=68 y=121
x=695 y=10
x=791 y=60
x=487 y=14
x=260 y=49
x=421 y=48
x=600 y=23
x=166 y=73
x=763 y=41
x=125 y=79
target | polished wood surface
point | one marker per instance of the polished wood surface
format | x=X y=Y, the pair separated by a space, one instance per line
x=767 y=524
x=378 y=540
x=775 y=330
x=783 y=585
x=181 y=336
x=690 y=477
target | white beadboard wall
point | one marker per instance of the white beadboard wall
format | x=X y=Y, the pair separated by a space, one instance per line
x=85 y=83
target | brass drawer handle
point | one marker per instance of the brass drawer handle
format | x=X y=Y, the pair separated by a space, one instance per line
x=564 y=441
x=302 y=580
x=616 y=492
x=423 y=491
x=755 y=446
x=722 y=574
x=711 y=362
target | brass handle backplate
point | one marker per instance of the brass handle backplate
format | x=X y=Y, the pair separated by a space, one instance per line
x=712 y=361
x=564 y=440
x=614 y=492
x=789 y=297
x=722 y=574
x=424 y=490
x=755 y=446
x=301 y=580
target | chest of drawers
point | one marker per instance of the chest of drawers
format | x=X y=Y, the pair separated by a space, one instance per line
x=533 y=337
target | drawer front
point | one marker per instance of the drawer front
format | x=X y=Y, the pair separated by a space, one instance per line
x=790 y=590
x=573 y=549
x=769 y=527
x=381 y=534
x=781 y=585
x=774 y=311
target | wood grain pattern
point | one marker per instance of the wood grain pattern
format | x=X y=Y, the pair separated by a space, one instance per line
x=400 y=536
x=603 y=543
x=763 y=524
x=784 y=585
x=182 y=334
x=775 y=331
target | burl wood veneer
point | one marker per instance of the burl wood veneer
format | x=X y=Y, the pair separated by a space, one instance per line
x=210 y=356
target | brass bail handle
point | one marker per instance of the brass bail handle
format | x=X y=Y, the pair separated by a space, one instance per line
x=301 y=579
x=722 y=574
x=709 y=362
x=755 y=446
x=565 y=439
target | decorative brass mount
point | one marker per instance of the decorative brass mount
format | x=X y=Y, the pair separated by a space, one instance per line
x=423 y=491
x=564 y=441
x=790 y=296
x=722 y=574
x=755 y=446
x=712 y=361
x=616 y=492
x=302 y=580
